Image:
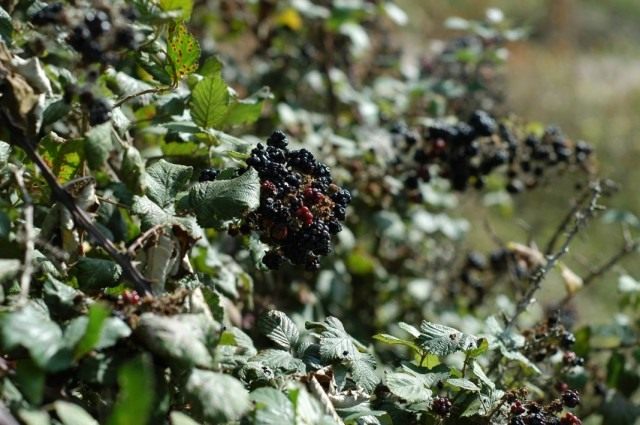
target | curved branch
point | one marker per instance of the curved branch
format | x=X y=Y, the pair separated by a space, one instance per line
x=80 y=217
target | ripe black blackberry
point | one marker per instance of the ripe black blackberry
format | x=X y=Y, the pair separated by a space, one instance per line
x=570 y=398
x=567 y=340
x=97 y=22
x=441 y=406
x=536 y=418
x=517 y=420
x=300 y=207
x=483 y=124
x=99 y=111
x=208 y=175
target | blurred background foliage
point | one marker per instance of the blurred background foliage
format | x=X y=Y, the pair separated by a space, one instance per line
x=578 y=69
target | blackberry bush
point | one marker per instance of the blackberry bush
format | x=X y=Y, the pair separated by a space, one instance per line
x=300 y=206
x=128 y=158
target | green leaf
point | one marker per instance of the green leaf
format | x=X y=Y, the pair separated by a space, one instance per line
x=34 y=417
x=185 y=6
x=363 y=372
x=212 y=298
x=272 y=407
x=335 y=342
x=519 y=357
x=277 y=326
x=132 y=169
x=72 y=414
x=5 y=225
x=98 y=313
x=30 y=379
x=113 y=329
x=411 y=330
x=392 y=340
x=477 y=370
x=183 y=52
x=165 y=180
x=5 y=151
x=30 y=327
x=219 y=200
x=136 y=395
x=246 y=111
x=442 y=340
x=280 y=360
x=9 y=268
x=179 y=418
x=210 y=102
x=482 y=347
x=463 y=383
x=220 y=398
x=615 y=369
x=6 y=27
x=98 y=145
x=183 y=338
x=55 y=110
x=97 y=273
x=127 y=85
x=409 y=387
x=211 y=66
x=58 y=295
x=149 y=212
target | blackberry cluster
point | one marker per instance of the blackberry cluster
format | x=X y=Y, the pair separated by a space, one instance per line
x=479 y=271
x=467 y=152
x=547 y=338
x=300 y=207
x=96 y=39
x=99 y=110
x=96 y=33
x=531 y=413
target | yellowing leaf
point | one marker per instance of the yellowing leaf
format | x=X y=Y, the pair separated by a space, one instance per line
x=185 y=6
x=290 y=18
x=183 y=51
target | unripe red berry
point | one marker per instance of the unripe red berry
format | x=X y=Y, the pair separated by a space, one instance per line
x=517 y=408
x=304 y=214
x=131 y=297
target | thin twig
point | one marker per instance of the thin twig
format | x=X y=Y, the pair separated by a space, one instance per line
x=152 y=90
x=326 y=64
x=565 y=222
x=116 y=203
x=29 y=237
x=581 y=217
x=626 y=249
x=80 y=217
x=142 y=238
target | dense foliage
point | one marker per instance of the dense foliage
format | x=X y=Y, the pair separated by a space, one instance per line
x=248 y=212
